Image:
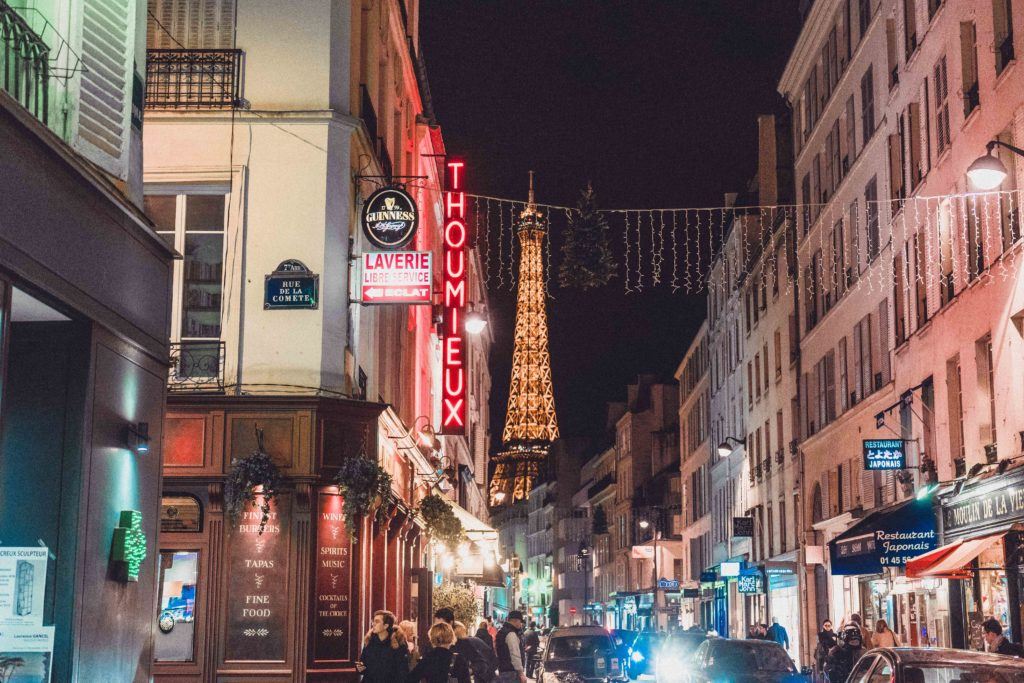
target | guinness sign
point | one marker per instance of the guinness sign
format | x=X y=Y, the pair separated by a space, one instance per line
x=390 y=218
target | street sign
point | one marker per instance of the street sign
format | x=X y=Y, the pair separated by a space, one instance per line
x=691 y=592
x=730 y=568
x=751 y=583
x=396 y=277
x=885 y=454
x=291 y=285
x=708 y=577
x=743 y=527
x=642 y=552
x=668 y=584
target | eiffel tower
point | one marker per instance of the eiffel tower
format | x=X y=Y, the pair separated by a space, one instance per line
x=530 y=423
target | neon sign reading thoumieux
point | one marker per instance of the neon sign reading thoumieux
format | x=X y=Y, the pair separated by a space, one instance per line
x=453 y=361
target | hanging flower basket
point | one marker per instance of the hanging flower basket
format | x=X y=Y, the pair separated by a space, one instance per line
x=254 y=481
x=364 y=486
x=441 y=523
x=460 y=599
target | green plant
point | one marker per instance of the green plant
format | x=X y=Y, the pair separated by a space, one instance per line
x=587 y=259
x=364 y=485
x=460 y=599
x=441 y=523
x=247 y=474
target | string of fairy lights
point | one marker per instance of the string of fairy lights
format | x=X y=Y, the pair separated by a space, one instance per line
x=877 y=244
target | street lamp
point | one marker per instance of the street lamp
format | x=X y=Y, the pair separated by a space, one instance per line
x=644 y=524
x=988 y=172
x=584 y=556
x=475 y=321
x=725 y=449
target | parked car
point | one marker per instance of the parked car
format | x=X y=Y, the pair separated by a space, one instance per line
x=936 y=665
x=675 y=655
x=580 y=653
x=741 y=661
x=642 y=652
x=623 y=639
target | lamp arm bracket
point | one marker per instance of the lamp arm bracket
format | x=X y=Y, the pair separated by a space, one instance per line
x=999 y=143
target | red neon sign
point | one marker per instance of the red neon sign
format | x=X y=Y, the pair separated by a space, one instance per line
x=453 y=359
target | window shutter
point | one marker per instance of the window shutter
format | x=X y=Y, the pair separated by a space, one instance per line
x=883 y=340
x=868 y=489
x=857 y=356
x=196 y=24
x=826 y=499
x=107 y=48
x=848 y=476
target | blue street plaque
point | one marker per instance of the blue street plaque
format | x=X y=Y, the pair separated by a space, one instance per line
x=668 y=584
x=291 y=285
x=885 y=454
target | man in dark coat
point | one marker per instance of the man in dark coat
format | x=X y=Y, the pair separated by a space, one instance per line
x=531 y=643
x=510 y=649
x=483 y=634
x=992 y=632
x=842 y=658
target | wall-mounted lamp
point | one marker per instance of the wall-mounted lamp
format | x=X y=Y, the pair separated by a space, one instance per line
x=476 y=321
x=725 y=449
x=137 y=437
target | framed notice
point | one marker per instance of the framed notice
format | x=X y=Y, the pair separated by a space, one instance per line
x=26 y=653
x=22 y=585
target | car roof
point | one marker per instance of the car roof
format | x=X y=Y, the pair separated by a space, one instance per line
x=928 y=655
x=568 y=631
x=756 y=642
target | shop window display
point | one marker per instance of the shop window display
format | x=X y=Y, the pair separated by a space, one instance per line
x=175 y=639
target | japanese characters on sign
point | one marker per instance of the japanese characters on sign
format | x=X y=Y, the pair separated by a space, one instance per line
x=885 y=454
x=454 y=282
x=396 y=277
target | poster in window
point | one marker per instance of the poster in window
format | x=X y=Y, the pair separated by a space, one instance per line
x=22 y=585
x=26 y=653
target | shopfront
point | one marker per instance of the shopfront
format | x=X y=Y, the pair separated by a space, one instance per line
x=784 y=599
x=868 y=562
x=979 y=563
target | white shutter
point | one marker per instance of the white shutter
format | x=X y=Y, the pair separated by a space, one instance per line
x=868 y=488
x=195 y=24
x=107 y=48
x=826 y=499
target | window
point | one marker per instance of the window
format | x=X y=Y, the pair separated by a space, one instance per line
x=778 y=354
x=862 y=350
x=864 y=14
x=807 y=199
x=750 y=383
x=193 y=224
x=871 y=224
x=986 y=389
x=851 y=135
x=782 y=527
x=175 y=636
x=910 y=26
x=757 y=375
x=933 y=7
x=1002 y=28
x=955 y=408
x=940 y=86
x=817 y=187
x=921 y=279
x=890 y=46
x=945 y=225
x=193 y=25
x=975 y=248
x=915 y=159
x=838 y=261
x=898 y=295
x=844 y=385
x=867 y=105
x=853 y=270
x=1009 y=214
x=764 y=355
x=969 y=66
x=896 y=163
x=771 y=532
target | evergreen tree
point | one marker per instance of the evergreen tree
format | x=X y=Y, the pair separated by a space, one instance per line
x=587 y=259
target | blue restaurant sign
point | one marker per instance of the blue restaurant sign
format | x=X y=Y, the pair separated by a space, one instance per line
x=885 y=538
x=885 y=454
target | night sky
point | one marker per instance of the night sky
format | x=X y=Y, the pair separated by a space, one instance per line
x=655 y=103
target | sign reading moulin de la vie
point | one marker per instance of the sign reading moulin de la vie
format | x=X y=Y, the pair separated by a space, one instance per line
x=333 y=614
x=396 y=277
x=291 y=285
x=989 y=503
x=390 y=218
x=885 y=454
x=453 y=360
x=257 y=612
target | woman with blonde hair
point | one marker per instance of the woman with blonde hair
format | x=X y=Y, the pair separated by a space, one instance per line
x=884 y=636
x=409 y=630
x=385 y=655
x=442 y=662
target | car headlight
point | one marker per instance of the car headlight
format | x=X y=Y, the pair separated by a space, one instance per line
x=637 y=656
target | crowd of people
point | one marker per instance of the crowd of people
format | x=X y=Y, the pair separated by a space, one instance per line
x=491 y=655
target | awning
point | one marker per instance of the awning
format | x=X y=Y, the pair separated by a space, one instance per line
x=887 y=537
x=474 y=528
x=492 y=576
x=950 y=561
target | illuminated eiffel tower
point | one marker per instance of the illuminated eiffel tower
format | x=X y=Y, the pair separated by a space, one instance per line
x=530 y=423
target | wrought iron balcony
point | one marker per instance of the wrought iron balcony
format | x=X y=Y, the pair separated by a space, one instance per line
x=196 y=366
x=193 y=79
x=24 y=63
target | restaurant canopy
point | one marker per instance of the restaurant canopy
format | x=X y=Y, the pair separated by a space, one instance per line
x=887 y=537
x=951 y=561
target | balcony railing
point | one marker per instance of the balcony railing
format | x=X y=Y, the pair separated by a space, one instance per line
x=24 y=63
x=196 y=366
x=193 y=79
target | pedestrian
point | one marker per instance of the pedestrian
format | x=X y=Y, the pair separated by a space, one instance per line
x=409 y=631
x=826 y=641
x=844 y=655
x=884 y=636
x=491 y=628
x=865 y=636
x=385 y=654
x=442 y=663
x=442 y=615
x=511 y=653
x=531 y=643
x=484 y=634
x=777 y=632
x=995 y=641
x=482 y=660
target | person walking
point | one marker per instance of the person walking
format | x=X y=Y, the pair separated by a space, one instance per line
x=865 y=635
x=843 y=656
x=531 y=643
x=385 y=654
x=995 y=641
x=485 y=635
x=442 y=663
x=511 y=653
x=442 y=615
x=884 y=636
x=826 y=641
x=777 y=632
x=483 y=663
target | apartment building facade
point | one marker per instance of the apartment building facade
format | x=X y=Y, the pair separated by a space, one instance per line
x=268 y=129
x=596 y=495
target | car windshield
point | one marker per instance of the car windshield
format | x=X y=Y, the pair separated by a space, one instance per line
x=737 y=655
x=962 y=673
x=568 y=647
